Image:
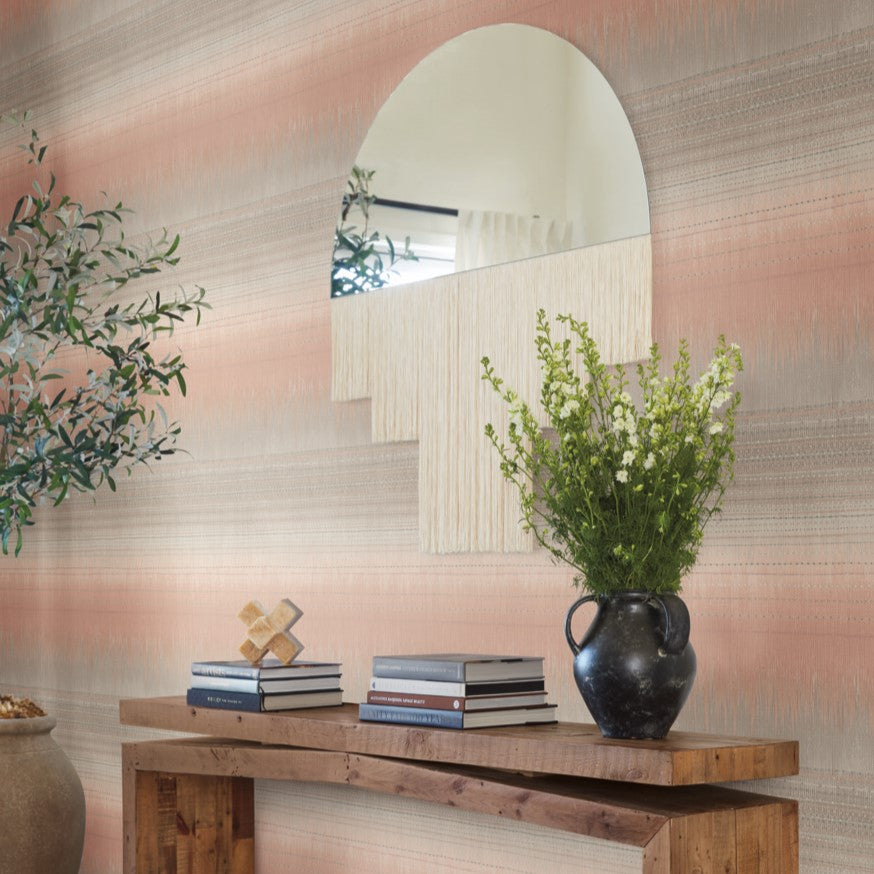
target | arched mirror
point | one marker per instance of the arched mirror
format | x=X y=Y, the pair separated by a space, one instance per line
x=508 y=162
x=503 y=144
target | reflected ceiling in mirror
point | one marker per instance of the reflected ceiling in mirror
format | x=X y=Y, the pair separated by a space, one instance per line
x=503 y=144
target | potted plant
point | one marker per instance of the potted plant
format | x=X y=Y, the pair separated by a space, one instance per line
x=79 y=380
x=40 y=786
x=621 y=490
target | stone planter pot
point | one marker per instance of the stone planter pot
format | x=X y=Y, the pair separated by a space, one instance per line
x=42 y=805
x=635 y=666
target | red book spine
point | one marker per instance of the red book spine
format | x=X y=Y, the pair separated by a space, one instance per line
x=408 y=699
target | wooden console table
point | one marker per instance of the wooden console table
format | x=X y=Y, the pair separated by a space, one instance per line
x=189 y=804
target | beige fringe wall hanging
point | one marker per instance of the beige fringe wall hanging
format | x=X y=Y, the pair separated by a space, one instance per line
x=415 y=350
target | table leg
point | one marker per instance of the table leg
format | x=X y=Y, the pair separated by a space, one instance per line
x=180 y=815
x=753 y=840
x=187 y=822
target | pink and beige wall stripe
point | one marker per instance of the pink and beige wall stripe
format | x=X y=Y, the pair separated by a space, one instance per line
x=235 y=124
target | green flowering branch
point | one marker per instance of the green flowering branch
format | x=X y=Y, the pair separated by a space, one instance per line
x=622 y=494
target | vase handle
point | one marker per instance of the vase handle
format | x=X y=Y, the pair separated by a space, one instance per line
x=575 y=647
x=675 y=625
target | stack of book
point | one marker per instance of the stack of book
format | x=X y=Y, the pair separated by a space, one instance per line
x=271 y=685
x=452 y=690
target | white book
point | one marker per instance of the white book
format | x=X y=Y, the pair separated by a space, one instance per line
x=267 y=687
x=457 y=667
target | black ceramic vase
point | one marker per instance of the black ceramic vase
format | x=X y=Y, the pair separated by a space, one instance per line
x=635 y=666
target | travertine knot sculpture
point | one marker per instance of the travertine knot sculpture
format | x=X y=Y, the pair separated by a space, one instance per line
x=268 y=632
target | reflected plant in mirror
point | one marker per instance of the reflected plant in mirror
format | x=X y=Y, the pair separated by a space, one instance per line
x=364 y=259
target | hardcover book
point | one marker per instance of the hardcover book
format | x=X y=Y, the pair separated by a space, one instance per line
x=463 y=690
x=269 y=668
x=255 y=702
x=266 y=684
x=449 y=702
x=458 y=719
x=458 y=667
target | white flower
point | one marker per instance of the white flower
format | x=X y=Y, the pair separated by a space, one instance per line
x=688 y=438
x=517 y=406
x=570 y=406
x=719 y=399
x=716 y=427
x=633 y=440
x=622 y=475
x=627 y=457
x=649 y=461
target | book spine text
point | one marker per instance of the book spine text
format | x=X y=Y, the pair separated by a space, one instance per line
x=419 y=669
x=410 y=716
x=224 y=700
x=239 y=671
x=403 y=699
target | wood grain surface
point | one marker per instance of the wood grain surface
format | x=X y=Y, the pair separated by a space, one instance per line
x=695 y=829
x=569 y=749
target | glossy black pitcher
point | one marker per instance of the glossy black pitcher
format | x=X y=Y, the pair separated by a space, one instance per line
x=635 y=666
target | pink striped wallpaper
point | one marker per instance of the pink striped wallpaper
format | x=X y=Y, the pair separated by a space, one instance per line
x=235 y=124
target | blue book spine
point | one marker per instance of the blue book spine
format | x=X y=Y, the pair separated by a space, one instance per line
x=411 y=715
x=250 y=701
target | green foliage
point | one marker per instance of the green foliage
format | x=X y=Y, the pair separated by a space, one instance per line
x=363 y=259
x=62 y=268
x=621 y=494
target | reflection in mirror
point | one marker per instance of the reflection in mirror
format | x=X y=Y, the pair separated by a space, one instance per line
x=504 y=143
x=364 y=259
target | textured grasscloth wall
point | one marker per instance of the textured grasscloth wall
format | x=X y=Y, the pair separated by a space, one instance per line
x=235 y=124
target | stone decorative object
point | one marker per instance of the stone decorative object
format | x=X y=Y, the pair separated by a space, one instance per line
x=268 y=632
x=42 y=805
x=635 y=666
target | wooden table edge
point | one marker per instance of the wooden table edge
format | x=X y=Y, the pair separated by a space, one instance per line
x=682 y=759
